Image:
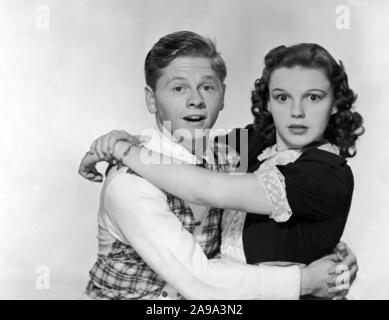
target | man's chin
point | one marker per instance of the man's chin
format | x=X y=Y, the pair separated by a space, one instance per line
x=191 y=133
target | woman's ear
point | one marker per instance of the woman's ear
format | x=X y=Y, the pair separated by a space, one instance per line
x=334 y=110
x=268 y=106
x=150 y=100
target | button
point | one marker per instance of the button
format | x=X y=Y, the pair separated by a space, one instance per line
x=164 y=294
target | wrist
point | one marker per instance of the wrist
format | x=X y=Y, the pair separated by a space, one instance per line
x=306 y=283
x=120 y=149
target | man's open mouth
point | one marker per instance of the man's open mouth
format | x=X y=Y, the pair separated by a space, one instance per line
x=194 y=118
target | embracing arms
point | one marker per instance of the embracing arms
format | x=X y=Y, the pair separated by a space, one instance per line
x=191 y=183
x=140 y=213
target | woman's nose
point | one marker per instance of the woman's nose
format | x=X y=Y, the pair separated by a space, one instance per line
x=297 y=110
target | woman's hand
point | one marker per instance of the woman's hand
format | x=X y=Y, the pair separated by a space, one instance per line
x=105 y=144
x=88 y=169
x=102 y=150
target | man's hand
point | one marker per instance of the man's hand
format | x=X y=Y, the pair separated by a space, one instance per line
x=314 y=277
x=343 y=273
x=341 y=268
x=102 y=150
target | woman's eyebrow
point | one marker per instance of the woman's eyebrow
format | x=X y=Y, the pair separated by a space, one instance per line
x=315 y=89
x=279 y=89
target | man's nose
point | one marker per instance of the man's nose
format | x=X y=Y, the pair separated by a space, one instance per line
x=297 y=110
x=196 y=100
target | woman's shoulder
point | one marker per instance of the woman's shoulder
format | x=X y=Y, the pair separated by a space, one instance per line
x=326 y=154
x=321 y=167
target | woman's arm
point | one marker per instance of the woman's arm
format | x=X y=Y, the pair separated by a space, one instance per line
x=194 y=184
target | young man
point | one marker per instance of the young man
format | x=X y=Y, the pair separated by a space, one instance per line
x=153 y=245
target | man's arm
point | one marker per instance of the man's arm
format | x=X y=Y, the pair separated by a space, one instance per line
x=141 y=214
x=312 y=276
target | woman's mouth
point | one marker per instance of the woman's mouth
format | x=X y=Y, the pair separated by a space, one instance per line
x=298 y=129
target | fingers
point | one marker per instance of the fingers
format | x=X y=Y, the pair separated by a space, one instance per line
x=111 y=141
x=98 y=148
x=114 y=137
x=105 y=147
x=87 y=167
x=94 y=176
x=341 y=245
x=341 y=250
x=332 y=257
x=350 y=262
x=335 y=270
x=338 y=270
x=101 y=150
x=341 y=281
x=341 y=295
x=340 y=284
x=82 y=171
x=105 y=144
x=93 y=146
x=350 y=259
x=353 y=273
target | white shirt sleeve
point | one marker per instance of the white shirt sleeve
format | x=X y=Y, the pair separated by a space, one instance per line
x=141 y=214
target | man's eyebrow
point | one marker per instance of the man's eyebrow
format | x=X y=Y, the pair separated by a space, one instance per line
x=208 y=77
x=176 y=78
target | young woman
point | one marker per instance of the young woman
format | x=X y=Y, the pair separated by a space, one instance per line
x=302 y=106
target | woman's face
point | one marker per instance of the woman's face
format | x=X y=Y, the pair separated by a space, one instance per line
x=301 y=102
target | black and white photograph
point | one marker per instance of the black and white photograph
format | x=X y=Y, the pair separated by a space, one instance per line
x=194 y=150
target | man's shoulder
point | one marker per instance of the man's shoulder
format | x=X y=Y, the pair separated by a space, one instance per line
x=125 y=182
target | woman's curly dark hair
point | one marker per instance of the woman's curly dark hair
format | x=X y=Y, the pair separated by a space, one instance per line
x=344 y=127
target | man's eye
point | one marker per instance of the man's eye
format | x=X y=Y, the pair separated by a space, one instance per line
x=208 y=87
x=178 y=89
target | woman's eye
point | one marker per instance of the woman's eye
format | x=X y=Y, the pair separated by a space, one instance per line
x=314 y=97
x=282 y=97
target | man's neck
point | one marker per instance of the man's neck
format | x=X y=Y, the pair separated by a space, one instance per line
x=196 y=147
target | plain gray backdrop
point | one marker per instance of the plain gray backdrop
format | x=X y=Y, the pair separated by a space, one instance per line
x=73 y=70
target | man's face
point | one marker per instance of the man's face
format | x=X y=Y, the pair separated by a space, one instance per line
x=188 y=97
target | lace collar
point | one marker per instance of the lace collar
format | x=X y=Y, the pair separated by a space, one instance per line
x=271 y=155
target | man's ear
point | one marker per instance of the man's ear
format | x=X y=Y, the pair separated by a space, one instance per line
x=224 y=91
x=150 y=100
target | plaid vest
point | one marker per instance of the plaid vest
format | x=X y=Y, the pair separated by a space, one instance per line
x=122 y=274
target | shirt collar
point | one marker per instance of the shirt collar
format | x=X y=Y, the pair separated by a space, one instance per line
x=165 y=143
